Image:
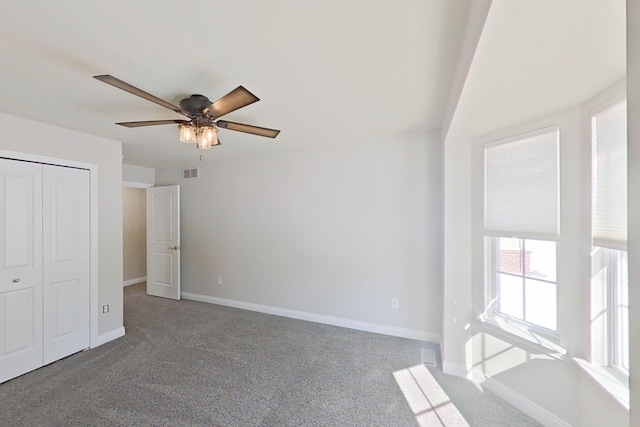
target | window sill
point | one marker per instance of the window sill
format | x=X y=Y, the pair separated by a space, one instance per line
x=522 y=336
x=606 y=379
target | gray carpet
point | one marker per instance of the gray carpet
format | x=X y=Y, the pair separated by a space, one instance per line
x=184 y=363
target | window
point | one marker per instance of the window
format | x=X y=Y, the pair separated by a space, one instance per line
x=521 y=221
x=526 y=280
x=609 y=224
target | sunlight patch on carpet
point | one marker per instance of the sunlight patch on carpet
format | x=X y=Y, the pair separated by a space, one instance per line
x=428 y=401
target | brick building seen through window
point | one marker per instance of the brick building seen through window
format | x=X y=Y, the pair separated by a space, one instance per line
x=525 y=282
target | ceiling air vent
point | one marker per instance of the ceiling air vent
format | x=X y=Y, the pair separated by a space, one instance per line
x=190 y=173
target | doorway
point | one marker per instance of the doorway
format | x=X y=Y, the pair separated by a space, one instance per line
x=134 y=235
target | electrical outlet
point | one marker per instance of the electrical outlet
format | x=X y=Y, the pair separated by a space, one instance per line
x=105 y=308
x=395 y=303
x=219 y=280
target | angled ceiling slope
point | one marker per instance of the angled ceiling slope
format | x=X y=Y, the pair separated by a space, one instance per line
x=536 y=58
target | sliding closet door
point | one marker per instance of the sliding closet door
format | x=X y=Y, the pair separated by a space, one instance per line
x=20 y=268
x=66 y=261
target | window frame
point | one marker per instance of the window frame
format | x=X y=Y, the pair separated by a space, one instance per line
x=614 y=286
x=604 y=350
x=537 y=336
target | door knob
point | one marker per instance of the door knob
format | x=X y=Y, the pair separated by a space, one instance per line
x=15 y=280
x=174 y=248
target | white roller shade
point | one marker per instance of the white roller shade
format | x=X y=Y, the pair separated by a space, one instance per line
x=521 y=186
x=609 y=133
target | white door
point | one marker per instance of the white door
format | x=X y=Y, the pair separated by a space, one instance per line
x=20 y=268
x=163 y=241
x=66 y=261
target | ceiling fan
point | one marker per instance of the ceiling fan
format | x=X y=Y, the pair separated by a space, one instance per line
x=203 y=115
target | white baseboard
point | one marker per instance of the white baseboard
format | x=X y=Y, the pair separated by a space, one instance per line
x=456 y=369
x=319 y=318
x=109 y=336
x=134 y=281
x=515 y=399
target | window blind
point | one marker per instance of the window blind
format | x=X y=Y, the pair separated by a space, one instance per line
x=521 y=186
x=609 y=134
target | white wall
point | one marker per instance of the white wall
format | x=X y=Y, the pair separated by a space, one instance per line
x=31 y=137
x=134 y=235
x=336 y=230
x=633 y=117
x=138 y=176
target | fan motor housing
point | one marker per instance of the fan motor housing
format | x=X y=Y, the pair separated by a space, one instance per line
x=195 y=104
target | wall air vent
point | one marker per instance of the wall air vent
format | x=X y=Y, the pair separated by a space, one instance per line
x=429 y=357
x=190 y=173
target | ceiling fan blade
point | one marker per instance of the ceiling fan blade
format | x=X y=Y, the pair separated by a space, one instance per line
x=240 y=127
x=139 y=92
x=150 y=123
x=237 y=98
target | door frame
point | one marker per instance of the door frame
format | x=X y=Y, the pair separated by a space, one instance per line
x=93 y=225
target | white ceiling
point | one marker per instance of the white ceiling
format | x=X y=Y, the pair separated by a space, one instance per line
x=329 y=71
x=538 y=57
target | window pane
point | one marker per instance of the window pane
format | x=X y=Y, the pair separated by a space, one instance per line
x=540 y=259
x=621 y=285
x=540 y=303
x=621 y=277
x=623 y=338
x=510 y=259
x=511 y=295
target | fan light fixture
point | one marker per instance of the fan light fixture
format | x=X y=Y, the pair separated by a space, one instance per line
x=205 y=136
x=187 y=133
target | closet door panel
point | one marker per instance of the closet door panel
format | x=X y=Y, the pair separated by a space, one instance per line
x=66 y=262
x=64 y=302
x=20 y=268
